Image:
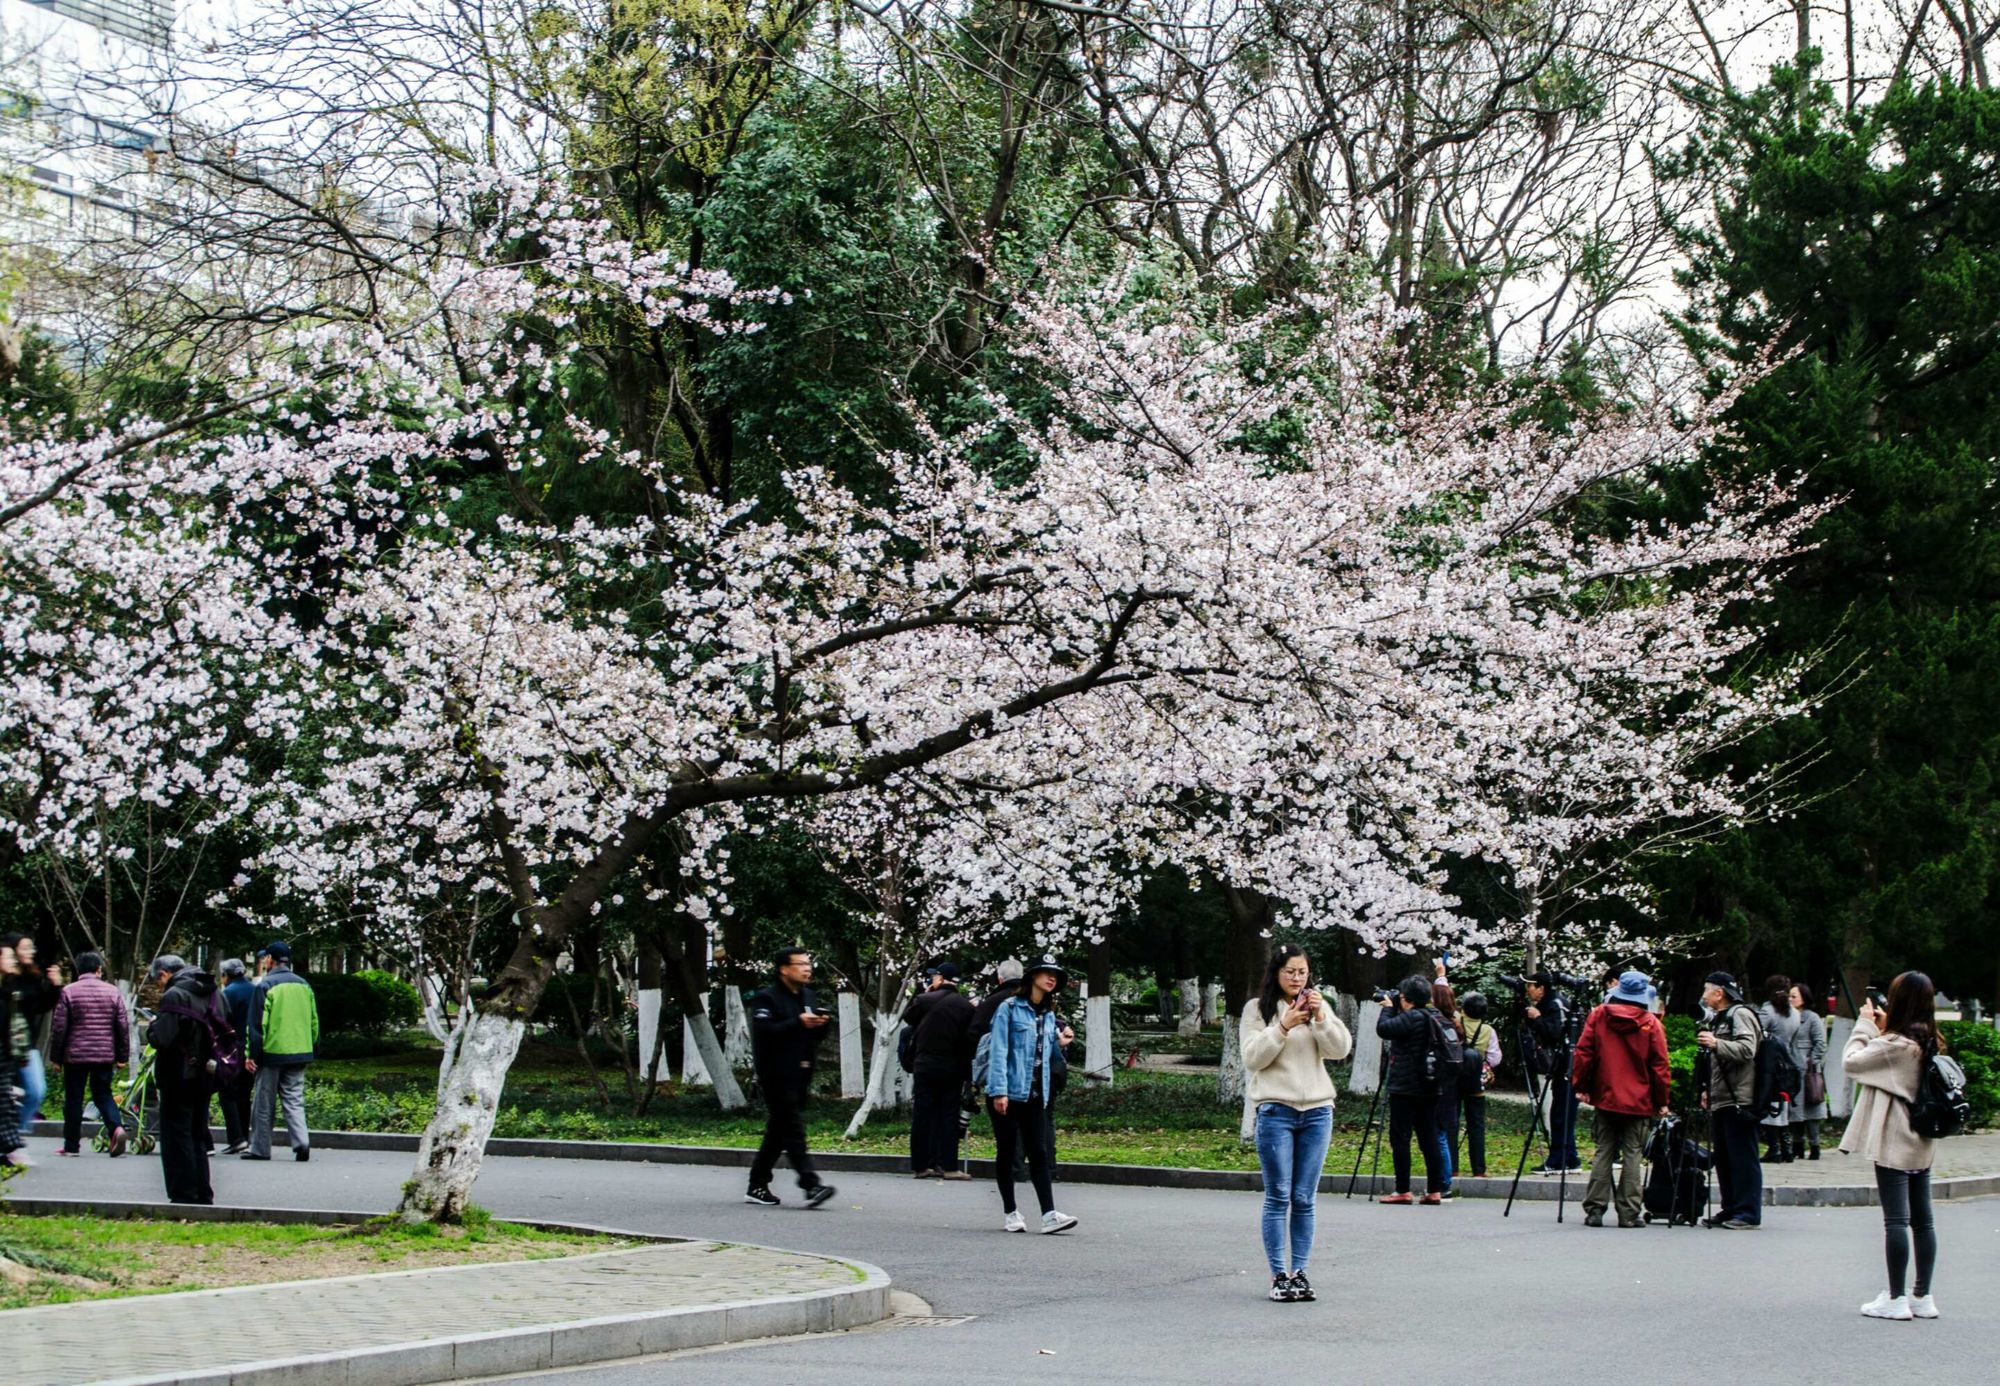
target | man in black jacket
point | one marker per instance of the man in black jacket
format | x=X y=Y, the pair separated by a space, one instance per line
x=1411 y=1029
x=940 y=1021
x=786 y=1027
x=180 y=1044
x=1547 y=1017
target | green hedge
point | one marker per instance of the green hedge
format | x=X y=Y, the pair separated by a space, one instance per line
x=1977 y=1049
x=364 y=1003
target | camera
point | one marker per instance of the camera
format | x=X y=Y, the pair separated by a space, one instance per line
x=1385 y=993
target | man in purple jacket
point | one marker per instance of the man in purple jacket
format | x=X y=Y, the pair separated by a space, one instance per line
x=89 y=1036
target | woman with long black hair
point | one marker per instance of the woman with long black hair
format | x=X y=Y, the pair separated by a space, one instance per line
x=1289 y=1033
x=1886 y=1056
x=1021 y=1086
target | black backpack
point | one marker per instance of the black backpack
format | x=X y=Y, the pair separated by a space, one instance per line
x=1941 y=1107
x=1778 y=1079
x=1445 y=1055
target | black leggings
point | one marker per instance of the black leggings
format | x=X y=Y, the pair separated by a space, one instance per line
x=1906 y=1208
x=1410 y=1112
x=1033 y=1127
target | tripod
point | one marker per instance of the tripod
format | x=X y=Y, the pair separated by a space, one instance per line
x=1374 y=1105
x=1534 y=1126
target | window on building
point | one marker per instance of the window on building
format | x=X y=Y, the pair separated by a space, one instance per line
x=143 y=21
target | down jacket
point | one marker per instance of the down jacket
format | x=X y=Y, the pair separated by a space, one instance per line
x=1621 y=1061
x=90 y=1025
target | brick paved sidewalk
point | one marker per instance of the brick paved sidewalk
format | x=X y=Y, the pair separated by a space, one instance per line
x=471 y=1319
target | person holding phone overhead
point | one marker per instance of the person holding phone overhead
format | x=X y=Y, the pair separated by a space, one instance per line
x=1289 y=1034
x=787 y=1024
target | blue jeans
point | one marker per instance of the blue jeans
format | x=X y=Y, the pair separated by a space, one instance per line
x=1291 y=1148
x=34 y=1087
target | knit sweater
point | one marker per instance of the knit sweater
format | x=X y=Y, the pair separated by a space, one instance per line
x=1290 y=1067
x=1887 y=1069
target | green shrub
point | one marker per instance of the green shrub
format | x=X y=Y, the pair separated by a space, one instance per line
x=1977 y=1049
x=364 y=1003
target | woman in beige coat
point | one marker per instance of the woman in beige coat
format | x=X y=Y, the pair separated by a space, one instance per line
x=1886 y=1057
x=1289 y=1034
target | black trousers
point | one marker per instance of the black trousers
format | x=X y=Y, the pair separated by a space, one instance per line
x=97 y=1077
x=784 y=1133
x=1906 y=1210
x=1473 y=1112
x=934 y=1122
x=236 y=1109
x=1563 y=1104
x=1740 y=1179
x=184 y=1144
x=1415 y=1114
x=1027 y=1125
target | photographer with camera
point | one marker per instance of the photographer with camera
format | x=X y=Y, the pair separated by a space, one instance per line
x=1729 y=1037
x=1290 y=1033
x=1621 y=1070
x=1547 y=1020
x=1415 y=1036
x=1886 y=1057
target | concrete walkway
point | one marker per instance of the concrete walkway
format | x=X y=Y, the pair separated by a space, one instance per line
x=445 y=1324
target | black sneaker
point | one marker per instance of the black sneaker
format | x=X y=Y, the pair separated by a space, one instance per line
x=761 y=1193
x=1302 y=1289
x=302 y=1154
x=1281 y=1290
x=247 y=1155
x=816 y=1195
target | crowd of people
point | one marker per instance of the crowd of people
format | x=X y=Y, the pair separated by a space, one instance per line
x=242 y=1044
x=246 y=1043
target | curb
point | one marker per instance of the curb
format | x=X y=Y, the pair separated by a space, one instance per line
x=539 y=1347
x=1535 y=1190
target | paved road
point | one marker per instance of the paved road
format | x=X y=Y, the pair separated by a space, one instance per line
x=1166 y=1286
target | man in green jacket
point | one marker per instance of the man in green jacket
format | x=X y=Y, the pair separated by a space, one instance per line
x=284 y=1031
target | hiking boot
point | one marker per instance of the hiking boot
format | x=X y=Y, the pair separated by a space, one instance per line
x=1052 y=1221
x=1302 y=1289
x=818 y=1194
x=1281 y=1290
x=1014 y=1223
x=1593 y=1219
x=761 y=1193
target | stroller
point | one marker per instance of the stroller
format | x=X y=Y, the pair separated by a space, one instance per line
x=133 y=1099
x=1677 y=1181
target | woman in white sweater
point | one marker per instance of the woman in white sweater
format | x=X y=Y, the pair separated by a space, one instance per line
x=1886 y=1057
x=1288 y=1034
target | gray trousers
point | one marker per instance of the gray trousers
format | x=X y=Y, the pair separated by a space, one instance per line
x=1622 y=1137
x=275 y=1082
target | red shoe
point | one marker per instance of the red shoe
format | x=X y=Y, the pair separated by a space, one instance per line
x=1396 y=1198
x=1431 y=1198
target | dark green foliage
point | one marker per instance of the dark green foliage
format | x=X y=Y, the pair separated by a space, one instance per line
x=1977 y=1049
x=1866 y=244
x=364 y=1003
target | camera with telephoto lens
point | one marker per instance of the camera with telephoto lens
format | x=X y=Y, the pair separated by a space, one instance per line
x=1385 y=993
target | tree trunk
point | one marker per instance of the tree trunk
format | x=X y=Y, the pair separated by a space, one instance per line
x=453 y=1148
x=882 y=1067
x=728 y=1092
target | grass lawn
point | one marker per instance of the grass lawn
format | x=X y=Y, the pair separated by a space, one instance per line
x=55 y=1260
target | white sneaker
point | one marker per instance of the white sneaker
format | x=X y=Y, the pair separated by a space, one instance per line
x=1883 y=1307
x=1015 y=1223
x=1052 y=1221
x=1923 y=1307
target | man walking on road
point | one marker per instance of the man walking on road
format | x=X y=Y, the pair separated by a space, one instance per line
x=89 y=1036
x=284 y=1031
x=1729 y=1038
x=787 y=1024
x=1621 y=1070
x=940 y=1021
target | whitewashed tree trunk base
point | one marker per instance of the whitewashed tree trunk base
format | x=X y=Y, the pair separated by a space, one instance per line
x=883 y=1070
x=453 y=1149
x=1211 y=1003
x=853 y=1074
x=649 y=1025
x=1190 y=1013
x=1367 y=1074
x=706 y=1050
x=1098 y=1059
x=1229 y=1080
x=1839 y=1092
x=736 y=1020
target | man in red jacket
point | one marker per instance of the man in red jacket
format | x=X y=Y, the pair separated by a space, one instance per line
x=1621 y=1070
